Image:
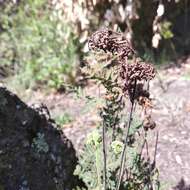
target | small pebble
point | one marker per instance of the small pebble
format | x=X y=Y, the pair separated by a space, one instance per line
x=178 y=159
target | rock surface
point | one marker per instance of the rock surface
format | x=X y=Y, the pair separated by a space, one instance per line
x=34 y=155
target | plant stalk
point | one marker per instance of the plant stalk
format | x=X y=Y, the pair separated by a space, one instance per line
x=104 y=156
x=97 y=170
x=123 y=156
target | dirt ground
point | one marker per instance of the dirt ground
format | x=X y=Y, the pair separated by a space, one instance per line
x=171 y=94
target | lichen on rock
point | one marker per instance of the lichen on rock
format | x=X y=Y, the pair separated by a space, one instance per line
x=33 y=153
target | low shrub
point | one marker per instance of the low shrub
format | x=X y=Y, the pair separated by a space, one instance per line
x=115 y=155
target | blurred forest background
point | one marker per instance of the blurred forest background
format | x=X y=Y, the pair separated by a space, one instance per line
x=43 y=43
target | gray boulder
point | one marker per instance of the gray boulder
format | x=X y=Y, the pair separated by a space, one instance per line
x=34 y=155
